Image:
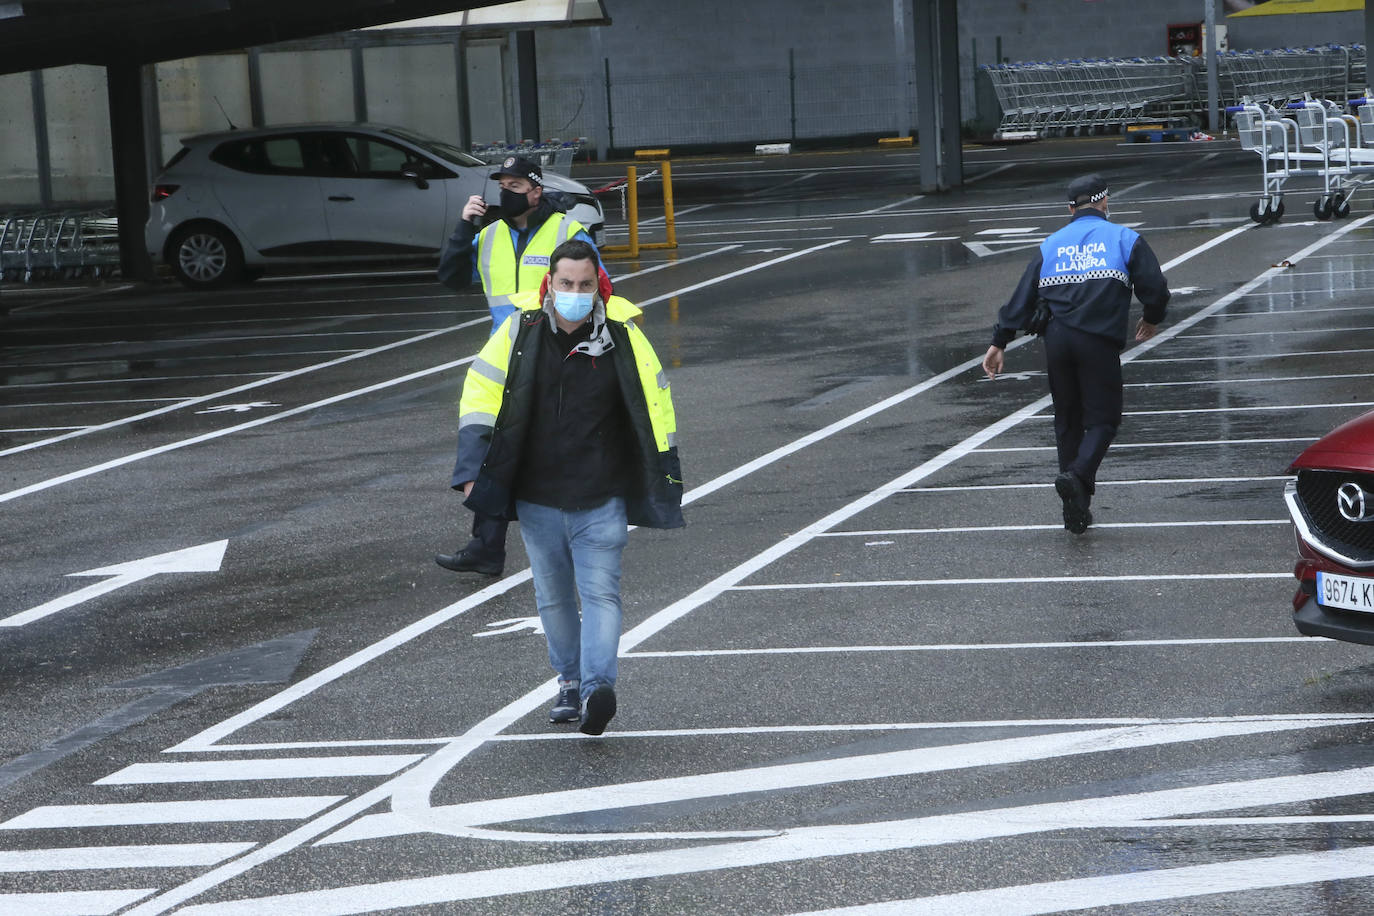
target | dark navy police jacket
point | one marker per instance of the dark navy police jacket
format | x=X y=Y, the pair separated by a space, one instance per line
x=1087 y=271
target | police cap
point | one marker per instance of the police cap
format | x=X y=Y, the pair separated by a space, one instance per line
x=1087 y=189
x=520 y=167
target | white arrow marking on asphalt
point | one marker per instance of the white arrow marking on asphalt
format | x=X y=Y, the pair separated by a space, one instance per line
x=202 y=558
x=983 y=249
x=514 y=625
x=238 y=408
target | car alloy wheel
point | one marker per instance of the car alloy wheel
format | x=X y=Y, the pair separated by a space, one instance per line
x=206 y=256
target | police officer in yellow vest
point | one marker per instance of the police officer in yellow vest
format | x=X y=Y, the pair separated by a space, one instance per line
x=509 y=256
x=567 y=421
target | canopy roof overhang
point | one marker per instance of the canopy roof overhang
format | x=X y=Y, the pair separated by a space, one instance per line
x=1289 y=7
x=36 y=34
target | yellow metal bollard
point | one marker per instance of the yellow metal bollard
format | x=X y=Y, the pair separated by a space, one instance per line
x=632 y=214
x=669 y=225
x=632 y=201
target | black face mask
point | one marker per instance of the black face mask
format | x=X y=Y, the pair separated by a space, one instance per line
x=513 y=203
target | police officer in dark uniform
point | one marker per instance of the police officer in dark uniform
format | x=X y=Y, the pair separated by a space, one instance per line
x=1085 y=273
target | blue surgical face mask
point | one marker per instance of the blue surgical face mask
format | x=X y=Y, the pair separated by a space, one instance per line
x=572 y=306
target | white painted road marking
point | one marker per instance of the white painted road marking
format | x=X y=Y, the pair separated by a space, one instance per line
x=202 y=558
x=238 y=408
x=463 y=745
x=71 y=903
x=93 y=858
x=174 y=812
x=980 y=529
x=804 y=843
x=456 y=819
x=986 y=647
x=1132 y=887
x=896 y=203
x=1012 y=580
x=235 y=770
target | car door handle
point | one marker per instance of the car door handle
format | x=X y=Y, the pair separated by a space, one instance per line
x=339 y=197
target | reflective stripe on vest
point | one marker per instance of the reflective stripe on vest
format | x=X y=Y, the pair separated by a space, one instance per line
x=501 y=276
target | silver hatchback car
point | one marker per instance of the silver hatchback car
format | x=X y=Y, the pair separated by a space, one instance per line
x=230 y=205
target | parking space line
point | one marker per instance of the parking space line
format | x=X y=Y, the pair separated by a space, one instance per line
x=300 y=319
x=1244 y=409
x=676 y=263
x=1301 y=311
x=958 y=725
x=1250 y=357
x=1008 y=580
x=1153 y=481
x=1246 y=381
x=218 y=357
x=238 y=338
x=201 y=399
x=971 y=529
x=905 y=200
x=41 y=429
x=92 y=403
x=978 y=647
x=1155 y=885
x=1283 y=332
x=1333 y=718
x=1178 y=444
x=126 y=381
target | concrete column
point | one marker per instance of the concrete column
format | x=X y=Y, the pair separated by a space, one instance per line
x=527 y=78
x=901 y=19
x=936 y=27
x=125 y=89
x=951 y=110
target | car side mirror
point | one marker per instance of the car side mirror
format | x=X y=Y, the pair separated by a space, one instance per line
x=414 y=175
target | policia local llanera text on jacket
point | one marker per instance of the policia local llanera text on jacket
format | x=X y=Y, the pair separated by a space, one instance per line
x=1086 y=272
x=494 y=414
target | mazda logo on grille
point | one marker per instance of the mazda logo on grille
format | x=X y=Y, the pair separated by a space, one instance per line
x=1350 y=500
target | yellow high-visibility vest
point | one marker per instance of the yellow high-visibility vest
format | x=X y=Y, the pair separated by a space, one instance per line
x=501 y=276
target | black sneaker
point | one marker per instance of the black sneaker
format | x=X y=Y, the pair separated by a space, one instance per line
x=1071 y=490
x=600 y=710
x=568 y=706
x=467 y=561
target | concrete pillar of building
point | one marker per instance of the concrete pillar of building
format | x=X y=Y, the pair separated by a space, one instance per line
x=936 y=27
x=125 y=88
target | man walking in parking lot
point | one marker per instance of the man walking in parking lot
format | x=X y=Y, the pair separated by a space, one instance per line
x=1085 y=274
x=508 y=256
x=566 y=422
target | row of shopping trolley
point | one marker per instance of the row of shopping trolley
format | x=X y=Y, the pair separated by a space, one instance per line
x=1084 y=95
x=554 y=155
x=1312 y=140
x=58 y=244
x=1088 y=96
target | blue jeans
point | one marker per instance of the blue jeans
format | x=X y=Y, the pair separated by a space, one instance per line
x=576 y=555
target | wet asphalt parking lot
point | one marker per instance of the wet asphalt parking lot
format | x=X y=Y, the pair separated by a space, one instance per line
x=873 y=674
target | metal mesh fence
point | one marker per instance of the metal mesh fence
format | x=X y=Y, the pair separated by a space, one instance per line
x=744 y=105
x=860 y=99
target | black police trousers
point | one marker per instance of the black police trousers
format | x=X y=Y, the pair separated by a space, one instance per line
x=488 y=538
x=1085 y=382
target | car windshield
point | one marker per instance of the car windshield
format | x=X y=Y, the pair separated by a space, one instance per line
x=437 y=147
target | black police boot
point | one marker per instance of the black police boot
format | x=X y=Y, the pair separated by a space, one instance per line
x=1074 y=493
x=469 y=560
